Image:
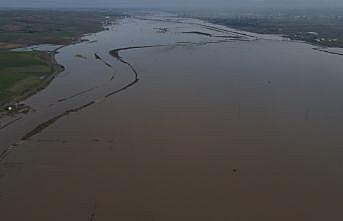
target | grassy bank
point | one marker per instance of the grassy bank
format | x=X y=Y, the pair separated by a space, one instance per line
x=24 y=73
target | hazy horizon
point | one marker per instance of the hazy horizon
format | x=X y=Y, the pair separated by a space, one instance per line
x=171 y=3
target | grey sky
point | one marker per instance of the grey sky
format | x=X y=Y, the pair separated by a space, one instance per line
x=170 y=3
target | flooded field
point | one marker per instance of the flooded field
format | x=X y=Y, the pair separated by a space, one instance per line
x=164 y=118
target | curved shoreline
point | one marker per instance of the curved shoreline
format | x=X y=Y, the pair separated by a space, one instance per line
x=56 y=69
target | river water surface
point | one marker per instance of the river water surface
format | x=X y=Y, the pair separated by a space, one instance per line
x=186 y=120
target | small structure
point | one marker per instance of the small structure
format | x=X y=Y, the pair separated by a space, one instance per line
x=108 y=20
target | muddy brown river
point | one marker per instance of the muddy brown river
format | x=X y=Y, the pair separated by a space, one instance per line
x=161 y=118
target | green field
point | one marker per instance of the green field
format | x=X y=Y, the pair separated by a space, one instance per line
x=23 y=72
x=29 y=27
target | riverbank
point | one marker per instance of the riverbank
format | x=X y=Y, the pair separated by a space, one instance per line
x=320 y=27
x=22 y=74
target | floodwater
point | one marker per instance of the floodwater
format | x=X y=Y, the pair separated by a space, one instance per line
x=188 y=121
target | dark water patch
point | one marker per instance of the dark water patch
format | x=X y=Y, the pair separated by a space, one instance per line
x=92 y=214
x=7 y=151
x=77 y=94
x=46 y=124
x=107 y=64
x=97 y=57
x=80 y=56
x=197 y=33
x=48 y=141
x=10 y=123
x=227 y=36
x=115 y=52
x=162 y=30
x=112 y=76
x=213 y=28
x=328 y=51
x=92 y=42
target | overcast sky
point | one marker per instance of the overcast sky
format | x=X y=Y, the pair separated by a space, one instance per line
x=170 y=3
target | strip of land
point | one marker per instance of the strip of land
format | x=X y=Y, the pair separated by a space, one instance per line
x=24 y=73
x=31 y=27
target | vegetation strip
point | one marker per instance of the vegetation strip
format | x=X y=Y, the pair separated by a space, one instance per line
x=22 y=74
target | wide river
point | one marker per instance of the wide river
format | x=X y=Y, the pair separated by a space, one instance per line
x=186 y=121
